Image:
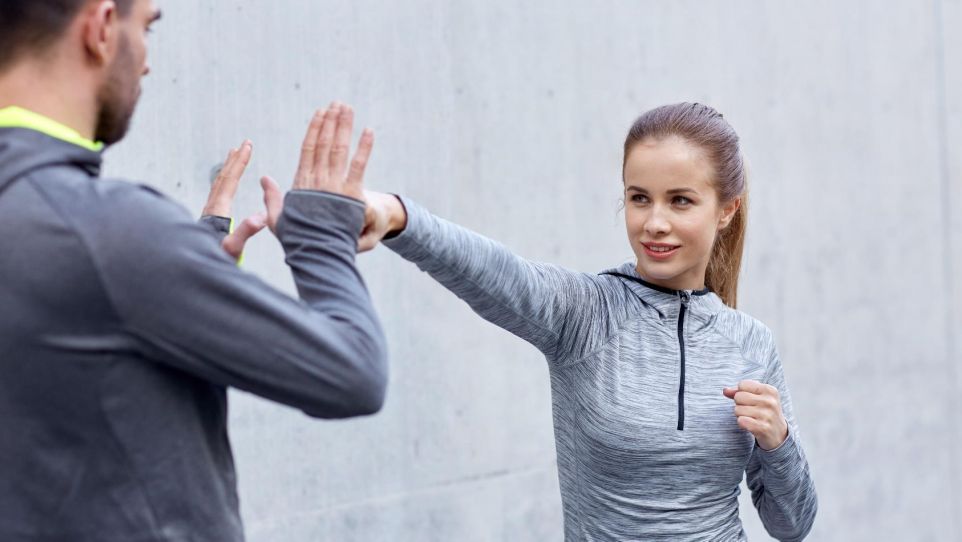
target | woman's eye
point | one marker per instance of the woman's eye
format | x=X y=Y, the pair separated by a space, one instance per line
x=682 y=200
x=638 y=198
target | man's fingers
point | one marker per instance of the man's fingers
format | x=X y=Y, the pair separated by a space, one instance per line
x=273 y=201
x=217 y=186
x=234 y=243
x=342 y=143
x=309 y=147
x=355 y=176
x=223 y=168
x=325 y=140
x=224 y=187
x=234 y=168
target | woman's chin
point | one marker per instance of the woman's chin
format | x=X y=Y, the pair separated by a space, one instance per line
x=657 y=270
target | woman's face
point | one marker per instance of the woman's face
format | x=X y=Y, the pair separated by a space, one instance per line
x=672 y=212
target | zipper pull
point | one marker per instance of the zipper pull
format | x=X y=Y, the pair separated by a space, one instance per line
x=684 y=296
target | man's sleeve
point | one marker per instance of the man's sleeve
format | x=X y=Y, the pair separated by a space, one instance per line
x=189 y=306
x=218 y=226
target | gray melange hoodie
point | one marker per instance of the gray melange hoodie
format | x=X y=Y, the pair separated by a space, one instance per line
x=122 y=323
x=648 y=447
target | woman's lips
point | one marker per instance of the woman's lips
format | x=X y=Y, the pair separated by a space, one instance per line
x=660 y=251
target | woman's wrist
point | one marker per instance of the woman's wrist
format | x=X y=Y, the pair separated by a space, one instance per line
x=774 y=442
x=398 y=220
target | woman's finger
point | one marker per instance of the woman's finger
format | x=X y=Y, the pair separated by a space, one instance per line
x=758 y=413
x=371 y=233
x=751 y=425
x=367 y=241
x=753 y=386
x=746 y=398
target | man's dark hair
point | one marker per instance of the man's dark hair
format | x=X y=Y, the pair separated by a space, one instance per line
x=32 y=25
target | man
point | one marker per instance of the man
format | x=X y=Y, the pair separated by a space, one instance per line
x=122 y=321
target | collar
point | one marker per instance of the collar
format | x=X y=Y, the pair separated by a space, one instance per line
x=18 y=117
x=667 y=301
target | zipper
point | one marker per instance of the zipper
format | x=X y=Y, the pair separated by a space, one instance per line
x=684 y=297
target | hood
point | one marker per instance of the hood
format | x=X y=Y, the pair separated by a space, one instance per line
x=23 y=150
x=666 y=301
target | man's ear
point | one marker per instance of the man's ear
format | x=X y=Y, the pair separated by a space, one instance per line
x=728 y=213
x=100 y=31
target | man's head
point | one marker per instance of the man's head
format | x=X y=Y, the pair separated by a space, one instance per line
x=103 y=41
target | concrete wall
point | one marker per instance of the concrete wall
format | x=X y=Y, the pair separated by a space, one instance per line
x=508 y=117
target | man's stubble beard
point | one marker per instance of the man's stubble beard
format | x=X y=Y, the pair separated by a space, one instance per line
x=118 y=97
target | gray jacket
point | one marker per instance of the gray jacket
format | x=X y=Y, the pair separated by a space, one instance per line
x=122 y=323
x=648 y=448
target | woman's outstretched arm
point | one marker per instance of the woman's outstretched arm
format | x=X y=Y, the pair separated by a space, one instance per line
x=546 y=305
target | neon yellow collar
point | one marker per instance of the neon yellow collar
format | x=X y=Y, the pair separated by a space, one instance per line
x=18 y=117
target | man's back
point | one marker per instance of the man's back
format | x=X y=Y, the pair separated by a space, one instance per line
x=121 y=324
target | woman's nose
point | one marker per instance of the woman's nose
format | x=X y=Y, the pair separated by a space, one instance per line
x=657 y=223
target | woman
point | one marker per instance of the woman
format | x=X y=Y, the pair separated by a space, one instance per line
x=664 y=394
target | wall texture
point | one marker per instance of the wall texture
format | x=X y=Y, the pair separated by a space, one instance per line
x=508 y=117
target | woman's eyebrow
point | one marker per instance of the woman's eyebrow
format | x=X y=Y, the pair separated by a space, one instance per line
x=672 y=192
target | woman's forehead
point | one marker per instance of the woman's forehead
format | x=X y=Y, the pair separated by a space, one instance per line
x=667 y=164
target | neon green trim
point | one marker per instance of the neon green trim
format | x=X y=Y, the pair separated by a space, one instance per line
x=18 y=117
x=240 y=260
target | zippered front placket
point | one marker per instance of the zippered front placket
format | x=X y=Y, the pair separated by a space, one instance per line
x=684 y=297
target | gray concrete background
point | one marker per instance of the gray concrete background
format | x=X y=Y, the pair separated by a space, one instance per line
x=508 y=117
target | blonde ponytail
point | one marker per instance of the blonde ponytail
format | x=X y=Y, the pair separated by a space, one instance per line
x=725 y=263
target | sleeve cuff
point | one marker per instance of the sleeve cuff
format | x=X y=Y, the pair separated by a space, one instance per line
x=309 y=213
x=410 y=236
x=394 y=234
x=327 y=195
x=784 y=456
x=220 y=225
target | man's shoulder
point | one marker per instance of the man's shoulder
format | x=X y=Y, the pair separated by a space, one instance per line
x=103 y=200
x=114 y=218
x=138 y=197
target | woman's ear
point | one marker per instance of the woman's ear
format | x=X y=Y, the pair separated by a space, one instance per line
x=101 y=31
x=728 y=213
